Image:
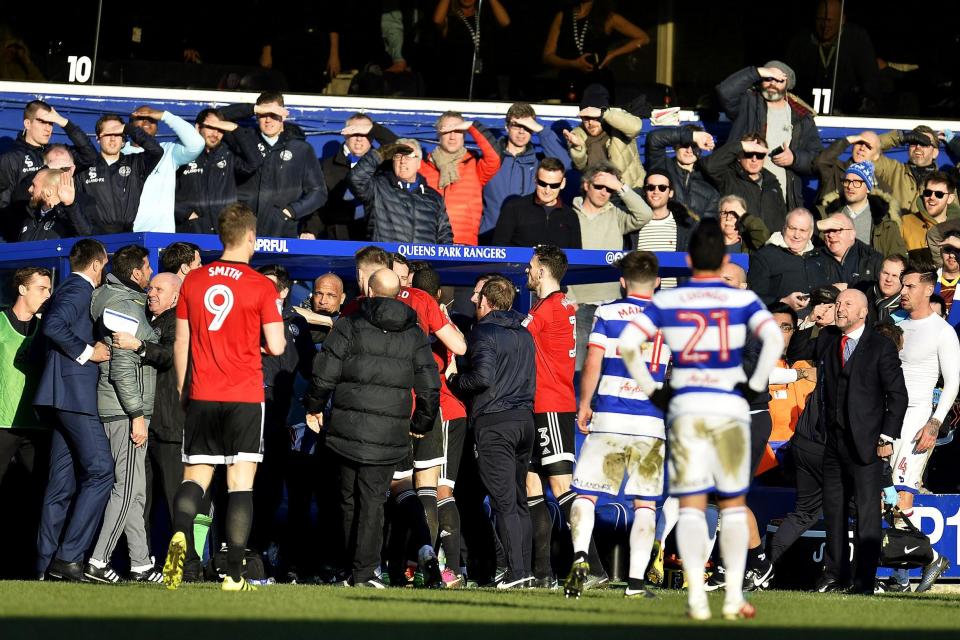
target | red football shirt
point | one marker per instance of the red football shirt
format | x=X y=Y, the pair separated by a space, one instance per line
x=226 y=303
x=431 y=319
x=553 y=324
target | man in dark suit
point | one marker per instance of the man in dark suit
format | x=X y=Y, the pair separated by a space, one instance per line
x=81 y=465
x=864 y=400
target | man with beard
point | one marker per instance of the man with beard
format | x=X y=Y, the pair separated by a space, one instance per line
x=52 y=212
x=757 y=100
x=936 y=199
x=907 y=180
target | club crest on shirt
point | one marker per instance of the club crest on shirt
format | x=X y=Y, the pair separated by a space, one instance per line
x=286 y=155
x=124 y=171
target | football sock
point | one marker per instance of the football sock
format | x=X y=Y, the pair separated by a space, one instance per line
x=428 y=498
x=582 y=517
x=239 y=520
x=542 y=531
x=449 y=522
x=641 y=540
x=667 y=519
x=593 y=557
x=757 y=559
x=410 y=513
x=185 y=505
x=201 y=529
x=692 y=544
x=712 y=515
x=734 y=537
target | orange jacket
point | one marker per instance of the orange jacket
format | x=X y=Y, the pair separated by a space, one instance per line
x=786 y=404
x=464 y=198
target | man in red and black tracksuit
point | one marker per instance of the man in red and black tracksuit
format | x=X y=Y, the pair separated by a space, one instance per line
x=552 y=323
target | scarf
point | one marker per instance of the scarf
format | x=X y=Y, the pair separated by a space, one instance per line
x=446 y=164
x=597 y=150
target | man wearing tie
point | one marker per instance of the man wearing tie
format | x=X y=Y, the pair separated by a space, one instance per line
x=81 y=465
x=864 y=401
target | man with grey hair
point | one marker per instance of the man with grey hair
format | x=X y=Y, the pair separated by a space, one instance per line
x=778 y=271
x=399 y=205
x=757 y=99
x=843 y=261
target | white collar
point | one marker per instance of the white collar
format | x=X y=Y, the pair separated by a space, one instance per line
x=856 y=334
x=86 y=277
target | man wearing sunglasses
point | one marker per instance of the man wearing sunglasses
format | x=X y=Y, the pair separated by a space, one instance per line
x=541 y=217
x=757 y=99
x=672 y=223
x=518 y=171
x=289 y=185
x=603 y=225
x=907 y=179
x=874 y=213
x=738 y=168
x=936 y=198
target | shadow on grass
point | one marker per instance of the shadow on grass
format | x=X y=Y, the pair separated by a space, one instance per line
x=14 y=628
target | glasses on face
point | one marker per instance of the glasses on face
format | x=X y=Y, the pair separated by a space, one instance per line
x=735 y=214
x=662 y=188
x=548 y=185
x=920 y=144
x=753 y=155
x=407 y=156
x=936 y=194
x=597 y=187
x=856 y=184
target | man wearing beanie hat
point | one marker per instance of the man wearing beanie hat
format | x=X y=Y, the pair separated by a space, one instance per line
x=875 y=214
x=607 y=136
x=757 y=99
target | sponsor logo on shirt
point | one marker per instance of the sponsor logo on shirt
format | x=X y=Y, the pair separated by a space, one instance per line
x=192 y=168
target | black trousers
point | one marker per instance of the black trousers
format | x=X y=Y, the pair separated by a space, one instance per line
x=363 y=491
x=807 y=465
x=504 y=444
x=268 y=485
x=164 y=473
x=22 y=495
x=844 y=476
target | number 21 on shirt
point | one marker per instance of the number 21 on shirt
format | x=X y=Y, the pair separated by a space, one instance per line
x=701 y=321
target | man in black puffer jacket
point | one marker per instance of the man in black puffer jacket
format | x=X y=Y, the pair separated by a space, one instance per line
x=690 y=186
x=370 y=362
x=399 y=205
x=501 y=380
x=288 y=186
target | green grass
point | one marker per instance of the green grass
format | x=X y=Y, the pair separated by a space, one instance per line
x=31 y=610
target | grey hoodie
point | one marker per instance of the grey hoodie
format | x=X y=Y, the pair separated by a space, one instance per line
x=126 y=387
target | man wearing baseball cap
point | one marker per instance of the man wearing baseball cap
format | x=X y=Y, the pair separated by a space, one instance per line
x=757 y=99
x=875 y=214
x=906 y=179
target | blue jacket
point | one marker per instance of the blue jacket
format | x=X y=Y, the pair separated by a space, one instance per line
x=502 y=373
x=68 y=327
x=517 y=175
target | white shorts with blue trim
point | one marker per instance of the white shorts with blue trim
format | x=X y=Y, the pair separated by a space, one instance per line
x=605 y=458
x=709 y=453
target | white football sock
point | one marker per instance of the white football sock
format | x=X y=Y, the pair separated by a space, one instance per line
x=641 y=540
x=581 y=523
x=734 y=539
x=692 y=545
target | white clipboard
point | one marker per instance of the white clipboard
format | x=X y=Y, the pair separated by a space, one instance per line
x=116 y=321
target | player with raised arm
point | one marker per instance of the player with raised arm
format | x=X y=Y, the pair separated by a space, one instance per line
x=705 y=324
x=625 y=431
x=223 y=308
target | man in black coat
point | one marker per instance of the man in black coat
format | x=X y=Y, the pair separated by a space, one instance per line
x=690 y=186
x=370 y=362
x=288 y=186
x=398 y=203
x=843 y=259
x=500 y=379
x=864 y=401
x=343 y=217
x=208 y=183
x=541 y=217
x=52 y=211
x=757 y=99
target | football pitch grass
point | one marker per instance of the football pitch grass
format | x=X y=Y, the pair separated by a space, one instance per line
x=33 y=610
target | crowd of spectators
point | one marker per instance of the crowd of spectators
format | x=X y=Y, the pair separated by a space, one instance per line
x=873 y=218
